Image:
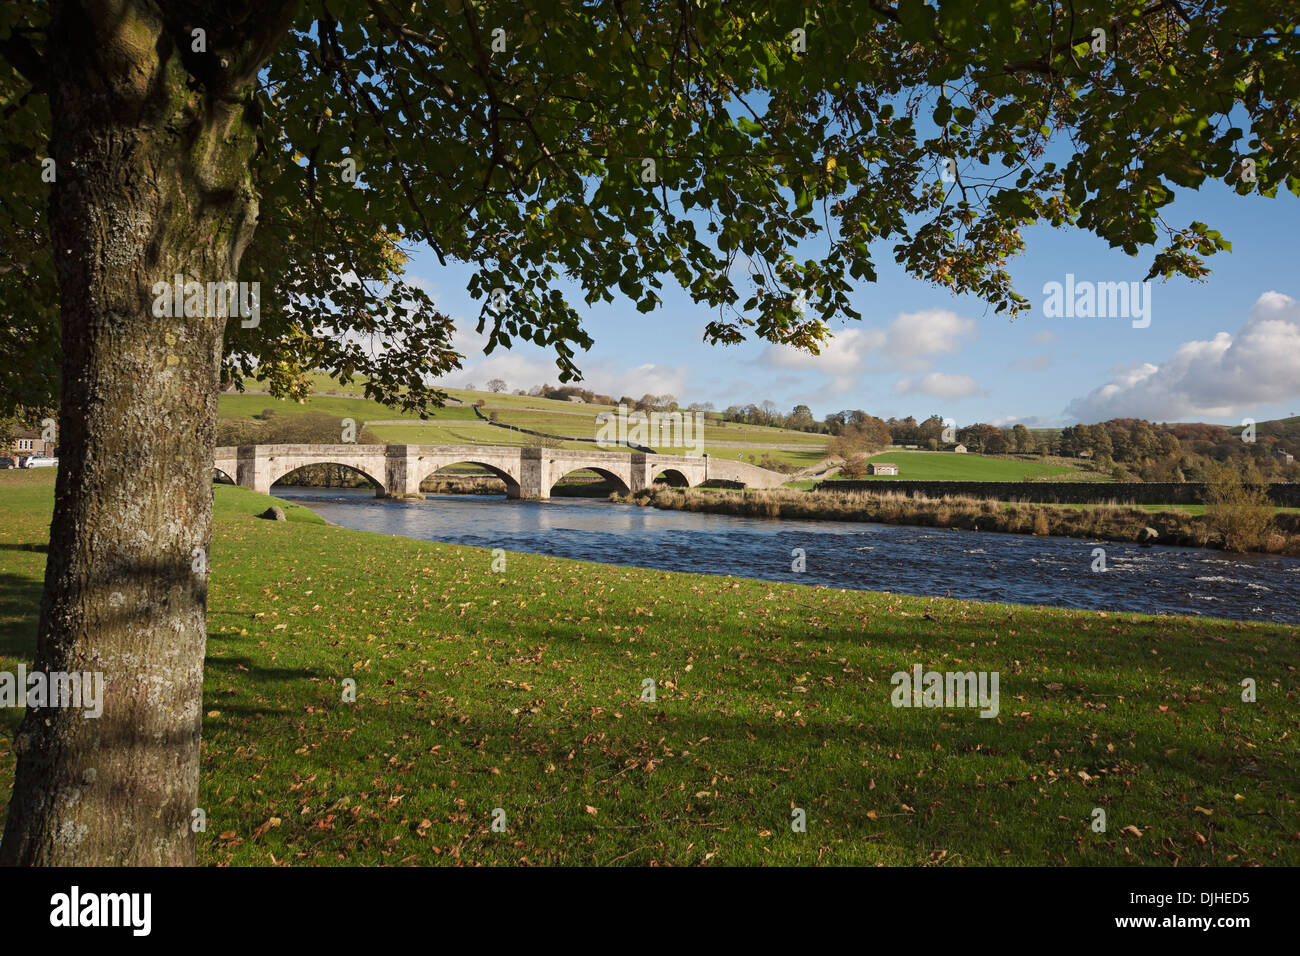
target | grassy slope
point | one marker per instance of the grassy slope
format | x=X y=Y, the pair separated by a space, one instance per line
x=361 y=409
x=947 y=466
x=457 y=424
x=521 y=691
x=1278 y=428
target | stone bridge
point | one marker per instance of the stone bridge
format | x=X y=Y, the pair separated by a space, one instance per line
x=398 y=470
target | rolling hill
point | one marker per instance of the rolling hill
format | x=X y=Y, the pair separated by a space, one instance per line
x=457 y=424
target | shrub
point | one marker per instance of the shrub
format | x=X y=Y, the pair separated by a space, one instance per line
x=772 y=464
x=1237 y=506
x=854 y=468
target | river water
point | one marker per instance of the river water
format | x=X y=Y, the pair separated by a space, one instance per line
x=978 y=565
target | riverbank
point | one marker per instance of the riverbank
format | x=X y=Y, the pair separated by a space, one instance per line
x=522 y=690
x=1103 y=522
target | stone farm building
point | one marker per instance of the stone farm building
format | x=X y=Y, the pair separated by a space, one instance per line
x=27 y=442
x=881 y=468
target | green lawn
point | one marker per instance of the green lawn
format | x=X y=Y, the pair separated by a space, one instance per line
x=949 y=466
x=522 y=691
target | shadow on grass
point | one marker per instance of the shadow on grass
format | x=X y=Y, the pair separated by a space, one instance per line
x=20 y=604
x=245 y=669
x=865 y=785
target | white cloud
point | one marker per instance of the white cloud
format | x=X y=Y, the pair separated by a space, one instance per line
x=846 y=352
x=527 y=365
x=940 y=385
x=908 y=344
x=649 y=378
x=513 y=368
x=1208 y=379
x=1043 y=338
x=915 y=337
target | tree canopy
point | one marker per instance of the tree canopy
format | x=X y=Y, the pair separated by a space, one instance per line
x=760 y=155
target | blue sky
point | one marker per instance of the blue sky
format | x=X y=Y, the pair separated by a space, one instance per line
x=1219 y=350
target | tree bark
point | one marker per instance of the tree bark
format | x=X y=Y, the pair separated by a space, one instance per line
x=153 y=143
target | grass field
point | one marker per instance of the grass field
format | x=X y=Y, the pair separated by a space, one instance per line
x=948 y=466
x=521 y=691
x=457 y=433
x=752 y=441
x=507 y=400
x=231 y=405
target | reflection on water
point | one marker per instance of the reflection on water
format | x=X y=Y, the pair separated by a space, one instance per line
x=980 y=565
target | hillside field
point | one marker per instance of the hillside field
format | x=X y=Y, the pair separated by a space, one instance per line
x=457 y=424
x=949 y=466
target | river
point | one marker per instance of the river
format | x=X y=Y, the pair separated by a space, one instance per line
x=977 y=565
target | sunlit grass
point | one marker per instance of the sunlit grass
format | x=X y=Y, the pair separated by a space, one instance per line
x=522 y=690
x=950 y=466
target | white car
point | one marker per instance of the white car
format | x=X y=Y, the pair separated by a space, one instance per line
x=42 y=462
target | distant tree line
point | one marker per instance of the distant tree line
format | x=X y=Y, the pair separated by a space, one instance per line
x=1134 y=448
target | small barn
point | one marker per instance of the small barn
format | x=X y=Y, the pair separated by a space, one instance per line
x=960 y=449
x=881 y=468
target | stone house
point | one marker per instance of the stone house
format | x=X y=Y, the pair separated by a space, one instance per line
x=959 y=449
x=27 y=442
x=881 y=468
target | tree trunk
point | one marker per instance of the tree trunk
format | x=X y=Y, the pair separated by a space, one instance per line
x=153 y=142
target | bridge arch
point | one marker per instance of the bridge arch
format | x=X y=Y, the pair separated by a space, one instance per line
x=428 y=469
x=222 y=477
x=282 y=471
x=621 y=482
x=673 y=477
